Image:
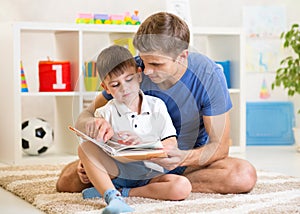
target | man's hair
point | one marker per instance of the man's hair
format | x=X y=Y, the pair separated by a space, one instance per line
x=114 y=60
x=163 y=32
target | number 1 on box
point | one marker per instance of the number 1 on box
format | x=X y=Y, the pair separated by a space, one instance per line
x=59 y=84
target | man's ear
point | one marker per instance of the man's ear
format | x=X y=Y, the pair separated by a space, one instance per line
x=184 y=54
x=182 y=57
x=105 y=87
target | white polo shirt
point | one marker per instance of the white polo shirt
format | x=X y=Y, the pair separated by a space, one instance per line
x=153 y=123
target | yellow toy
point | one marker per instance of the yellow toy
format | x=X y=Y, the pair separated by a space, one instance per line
x=117 y=19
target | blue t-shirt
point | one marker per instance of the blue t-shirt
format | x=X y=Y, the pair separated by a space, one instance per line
x=202 y=90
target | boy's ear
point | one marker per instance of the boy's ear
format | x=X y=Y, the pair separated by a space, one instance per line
x=139 y=73
x=139 y=70
x=105 y=87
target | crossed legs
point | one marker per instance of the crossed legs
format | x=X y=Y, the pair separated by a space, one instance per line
x=228 y=175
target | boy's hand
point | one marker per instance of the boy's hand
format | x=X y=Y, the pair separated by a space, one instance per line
x=99 y=129
x=129 y=138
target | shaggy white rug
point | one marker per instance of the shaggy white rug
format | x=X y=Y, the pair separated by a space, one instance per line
x=273 y=193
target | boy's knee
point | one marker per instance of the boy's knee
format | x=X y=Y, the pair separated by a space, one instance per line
x=180 y=189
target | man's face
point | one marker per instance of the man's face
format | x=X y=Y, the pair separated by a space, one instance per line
x=159 y=68
x=124 y=87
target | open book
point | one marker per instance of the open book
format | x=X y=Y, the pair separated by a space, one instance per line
x=142 y=151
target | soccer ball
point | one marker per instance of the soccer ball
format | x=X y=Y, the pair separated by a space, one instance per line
x=37 y=136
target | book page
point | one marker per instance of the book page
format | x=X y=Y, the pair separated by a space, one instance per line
x=142 y=146
x=102 y=145
x=112 y=147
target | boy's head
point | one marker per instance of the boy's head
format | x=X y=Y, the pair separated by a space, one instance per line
x=114 y=60
x=119 y=74
x=162 y=32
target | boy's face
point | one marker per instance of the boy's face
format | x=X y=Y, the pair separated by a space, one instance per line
x=125 y=87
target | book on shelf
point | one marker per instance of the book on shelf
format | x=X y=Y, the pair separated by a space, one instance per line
x=119 y=151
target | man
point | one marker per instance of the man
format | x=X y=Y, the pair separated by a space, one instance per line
x=195 y=92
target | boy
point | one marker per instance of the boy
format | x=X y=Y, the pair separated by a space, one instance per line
x=130 y=111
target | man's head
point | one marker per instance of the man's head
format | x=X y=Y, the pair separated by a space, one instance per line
x=162 y=41
x=162 y=32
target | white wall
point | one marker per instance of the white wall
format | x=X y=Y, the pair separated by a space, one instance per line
x=204 y=13
x=66 y=10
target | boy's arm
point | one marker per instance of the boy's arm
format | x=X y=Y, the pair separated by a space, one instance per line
x=94 y=127
x=88 y=113
x=170 y=142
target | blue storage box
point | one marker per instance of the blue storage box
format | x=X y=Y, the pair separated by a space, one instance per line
x=269 y=123
x=226 y=69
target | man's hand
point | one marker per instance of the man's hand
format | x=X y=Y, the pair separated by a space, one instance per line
x=175 y=158
x=82 y=174
x=99 y=129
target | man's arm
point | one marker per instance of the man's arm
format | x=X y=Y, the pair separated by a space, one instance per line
x=218 y=129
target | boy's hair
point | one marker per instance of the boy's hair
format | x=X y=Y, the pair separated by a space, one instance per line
x=163 y=32
x=114 y=60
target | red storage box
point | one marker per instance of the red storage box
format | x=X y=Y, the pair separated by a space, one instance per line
x=54 y=76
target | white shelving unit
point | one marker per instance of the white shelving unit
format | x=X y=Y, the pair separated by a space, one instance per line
x=33 y=42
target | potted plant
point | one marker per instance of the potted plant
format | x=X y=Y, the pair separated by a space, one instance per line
x=288 y=74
